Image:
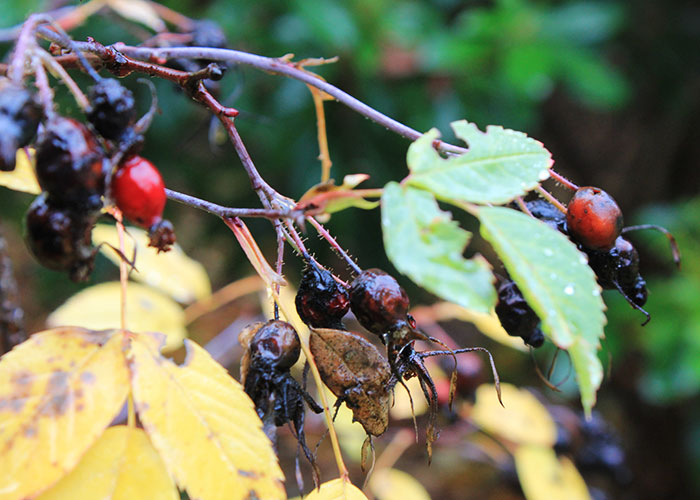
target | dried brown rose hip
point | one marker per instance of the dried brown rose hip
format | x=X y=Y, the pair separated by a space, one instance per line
x=20 y=114
x=112 y=108
x=60 y=239
x=379 y=303
x=70 y=165
x=276 y=344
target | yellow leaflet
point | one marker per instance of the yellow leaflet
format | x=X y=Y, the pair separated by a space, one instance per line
x=524 y=420
x=59 y=390
x=543 y=476
x=394 y=484
x=336 y=489
x=173 y=272
x=203 y=425
x=121 y=465
x=99 y=307
x=22 y=178
x=487 y=324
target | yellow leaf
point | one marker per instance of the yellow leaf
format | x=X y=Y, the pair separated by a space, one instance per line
x=173 y=272
x=121 y=465
x=22 y=178
x=524 y=420
x=203 y=425
x=336 y=489
x=99 y=308
x=543 y=476
x=139 y=11
x=487 y=324
x=394 y=484
x=59 y=390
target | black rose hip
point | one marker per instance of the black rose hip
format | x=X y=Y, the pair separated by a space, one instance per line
x=321 y=301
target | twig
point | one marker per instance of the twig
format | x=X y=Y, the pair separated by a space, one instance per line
x=228 y=212
x=334 y=244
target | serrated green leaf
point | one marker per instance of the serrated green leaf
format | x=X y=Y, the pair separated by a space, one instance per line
x=424 y=243
x=557 y=283
x=499 y=165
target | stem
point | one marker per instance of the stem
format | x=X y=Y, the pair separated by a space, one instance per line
x=334 y=244
x=61 y=73
x=548 y=196
x=58 y=36
x=342 y=470
x=41 y=80
x=123 y=271
x=279 y=263
x=562 y=180
x=229 y=213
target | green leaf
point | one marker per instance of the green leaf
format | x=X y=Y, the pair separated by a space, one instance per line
x=557 y=283
x=424 y=243
x=499 y=165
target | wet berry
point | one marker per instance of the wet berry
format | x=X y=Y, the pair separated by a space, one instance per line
x=379 y=303
x=71 y=165
x=321 y=301
x=276 y=345
x=516 y=316
x=593 y=218
x=617 y=266
x=139 y=192
x=59 y=238
x=112 y=108
x=548 y=213
x=19 y=118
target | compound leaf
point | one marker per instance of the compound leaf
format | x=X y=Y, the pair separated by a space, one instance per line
x=424 y=243
x=172 y=272
x=121 y=465
x=499 y=165
x=203 y=424
x=557 y=283
x=59 y=390
x=147 y=310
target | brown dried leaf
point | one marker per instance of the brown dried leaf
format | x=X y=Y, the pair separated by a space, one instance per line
x=353 y=369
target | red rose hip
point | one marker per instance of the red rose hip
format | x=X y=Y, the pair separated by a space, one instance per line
x=139 y=192
x=593 y=218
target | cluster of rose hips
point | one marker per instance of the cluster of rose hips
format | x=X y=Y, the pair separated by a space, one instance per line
x=593 y=221
x=81 y=168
